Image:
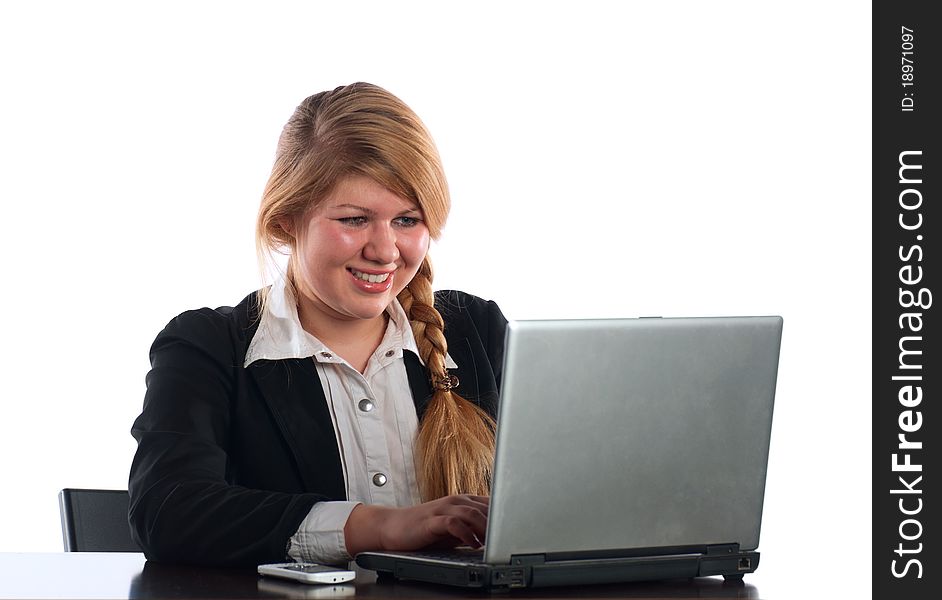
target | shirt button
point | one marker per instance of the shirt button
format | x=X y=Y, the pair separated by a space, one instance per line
x=390 y=353
x=366 y=405
x=379 y=480
x=327 y=355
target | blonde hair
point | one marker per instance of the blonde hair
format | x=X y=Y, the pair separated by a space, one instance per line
x=361 y=129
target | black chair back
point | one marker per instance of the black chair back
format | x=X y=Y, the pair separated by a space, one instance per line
x=95 y=521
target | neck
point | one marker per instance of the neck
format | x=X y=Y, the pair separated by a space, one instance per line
x=354 y=340
x=332 y=330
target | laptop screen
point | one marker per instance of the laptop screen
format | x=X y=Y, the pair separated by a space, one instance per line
x=632 y=433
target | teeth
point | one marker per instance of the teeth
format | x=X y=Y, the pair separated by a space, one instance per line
x=370 y=278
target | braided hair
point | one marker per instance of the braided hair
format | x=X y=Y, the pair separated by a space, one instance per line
x=455 y=443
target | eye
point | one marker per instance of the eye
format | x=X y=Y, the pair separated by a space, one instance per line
x=353 y=221
x=408 y=221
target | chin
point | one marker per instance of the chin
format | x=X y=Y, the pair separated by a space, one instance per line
x=370 y=310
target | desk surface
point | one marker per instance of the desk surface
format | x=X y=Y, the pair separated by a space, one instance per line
x=121 y=575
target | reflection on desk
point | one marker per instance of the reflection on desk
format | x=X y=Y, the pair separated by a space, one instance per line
x=124 y=575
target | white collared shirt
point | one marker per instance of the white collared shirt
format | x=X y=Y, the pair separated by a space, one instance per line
x=373 y=416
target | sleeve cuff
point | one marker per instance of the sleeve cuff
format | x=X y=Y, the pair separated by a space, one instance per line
x=320 y=536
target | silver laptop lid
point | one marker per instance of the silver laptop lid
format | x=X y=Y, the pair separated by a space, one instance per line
x=634 y=433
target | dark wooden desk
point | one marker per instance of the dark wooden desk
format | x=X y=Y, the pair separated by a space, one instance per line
x=120 y=575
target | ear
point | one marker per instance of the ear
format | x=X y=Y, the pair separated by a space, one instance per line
x=287 y=225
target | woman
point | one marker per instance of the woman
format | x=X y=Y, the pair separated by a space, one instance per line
x=346 y=407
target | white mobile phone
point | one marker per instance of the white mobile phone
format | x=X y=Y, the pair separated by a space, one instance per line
x=307 y=572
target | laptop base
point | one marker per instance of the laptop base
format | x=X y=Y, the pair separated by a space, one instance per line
x=534 y=571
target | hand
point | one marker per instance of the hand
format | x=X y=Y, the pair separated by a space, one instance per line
x=446 y=522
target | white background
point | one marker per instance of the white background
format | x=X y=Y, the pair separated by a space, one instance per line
x=684 y=158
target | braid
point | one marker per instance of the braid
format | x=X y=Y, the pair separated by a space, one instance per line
x=455 y=443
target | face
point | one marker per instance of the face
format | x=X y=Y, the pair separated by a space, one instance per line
x=357 y=250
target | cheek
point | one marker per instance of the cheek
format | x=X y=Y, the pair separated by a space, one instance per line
x=414 y=246
x=328 y=245
x=343 y=243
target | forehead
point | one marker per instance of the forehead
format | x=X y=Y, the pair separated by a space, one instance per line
x=362 y=192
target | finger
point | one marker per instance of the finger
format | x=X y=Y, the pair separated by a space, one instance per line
x=457 y=528
x=473 y=518
x=477 y=519
x=482 y=503
x=478 y=506
x=466 y=508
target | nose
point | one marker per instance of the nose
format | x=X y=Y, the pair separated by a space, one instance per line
x=381 y=246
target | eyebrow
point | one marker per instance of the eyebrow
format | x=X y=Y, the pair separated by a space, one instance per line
x=373 y=212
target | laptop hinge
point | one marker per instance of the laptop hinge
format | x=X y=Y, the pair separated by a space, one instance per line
x=719 y=549
x=527 y=559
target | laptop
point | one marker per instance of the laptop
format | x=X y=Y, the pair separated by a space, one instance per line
x=627 y=450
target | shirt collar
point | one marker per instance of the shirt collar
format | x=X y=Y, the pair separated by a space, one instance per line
x=280 y=335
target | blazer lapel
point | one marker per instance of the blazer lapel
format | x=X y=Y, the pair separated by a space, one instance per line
x=418 y=382
x=293 y=392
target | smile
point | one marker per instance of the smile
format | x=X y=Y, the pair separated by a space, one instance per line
x=370 y=278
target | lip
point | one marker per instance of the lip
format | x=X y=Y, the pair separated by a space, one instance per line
x=372 y=271
x=369 y=287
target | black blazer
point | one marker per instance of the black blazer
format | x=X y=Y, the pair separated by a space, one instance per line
x=231 y=459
